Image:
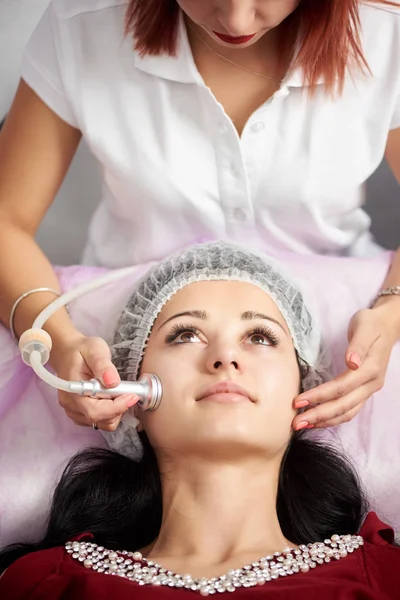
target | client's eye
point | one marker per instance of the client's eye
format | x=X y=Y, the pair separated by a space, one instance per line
x=262 y=336
x=183 y=334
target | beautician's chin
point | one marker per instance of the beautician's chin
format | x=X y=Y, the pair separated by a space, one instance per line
x=245 y=44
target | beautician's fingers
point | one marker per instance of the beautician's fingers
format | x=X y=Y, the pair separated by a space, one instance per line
x=342 y=385
x=337 y=410
x=68 y=403
x=364 y=330
x=105 y=409
x=81 y=420
x=341 y=419
x=367 y=357
x=81 y=359
x=372 y=370
x=371 y=339
x=95 y=410
x=97 y=356
x=109 y=425
x=371 y=330
x=112 y=424
x=78 y=418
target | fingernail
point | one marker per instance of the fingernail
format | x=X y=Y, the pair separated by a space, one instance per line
x=109 y=378
x=301 y=403
x=355 y=360
x=134 y=400
x=302 y=425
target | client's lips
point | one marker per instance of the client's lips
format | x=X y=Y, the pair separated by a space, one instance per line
x=242 y=39
x=225 y=391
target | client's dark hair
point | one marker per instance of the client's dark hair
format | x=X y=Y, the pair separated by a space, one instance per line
x=119 y=501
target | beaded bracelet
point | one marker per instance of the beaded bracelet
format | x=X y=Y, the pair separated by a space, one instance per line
x=389 y=291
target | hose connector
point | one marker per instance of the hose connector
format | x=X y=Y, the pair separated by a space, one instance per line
x=35 y=340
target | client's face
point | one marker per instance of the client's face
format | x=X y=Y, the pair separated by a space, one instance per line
x=229 y=371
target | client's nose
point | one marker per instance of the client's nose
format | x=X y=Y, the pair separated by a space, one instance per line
x=218 y=364
x=223 y=357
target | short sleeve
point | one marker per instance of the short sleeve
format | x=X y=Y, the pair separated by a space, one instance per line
x=395 y=123
x=42 y=68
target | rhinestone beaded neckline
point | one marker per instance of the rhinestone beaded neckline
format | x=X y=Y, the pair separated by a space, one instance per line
x=133 y=566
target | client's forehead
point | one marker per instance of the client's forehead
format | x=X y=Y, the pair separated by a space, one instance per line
x=230 y=299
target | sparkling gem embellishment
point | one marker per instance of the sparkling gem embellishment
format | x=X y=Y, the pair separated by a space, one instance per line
x=132 y=565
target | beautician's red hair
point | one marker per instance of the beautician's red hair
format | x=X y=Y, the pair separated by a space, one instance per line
x=330 y=35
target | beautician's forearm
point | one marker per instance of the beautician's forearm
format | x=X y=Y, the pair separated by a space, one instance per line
x=36 y=150
x=23 y=267
x=390 y=305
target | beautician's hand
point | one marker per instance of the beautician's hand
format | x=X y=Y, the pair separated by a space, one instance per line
x=372 y=336
x=85 y=358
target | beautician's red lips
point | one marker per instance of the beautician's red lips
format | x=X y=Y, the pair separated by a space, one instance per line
x=242 y=39
x=225 y=387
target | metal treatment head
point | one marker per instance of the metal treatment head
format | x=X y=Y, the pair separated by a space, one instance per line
x=152 y=392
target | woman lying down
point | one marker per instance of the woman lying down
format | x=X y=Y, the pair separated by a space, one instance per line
x=213 y=492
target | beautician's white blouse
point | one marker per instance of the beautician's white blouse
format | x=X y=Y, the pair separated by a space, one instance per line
x=175 y=170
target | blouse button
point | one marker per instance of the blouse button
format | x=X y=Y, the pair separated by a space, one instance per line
x=258 y=126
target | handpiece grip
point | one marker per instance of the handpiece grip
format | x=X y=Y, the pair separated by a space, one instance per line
x=148 y=388
x=94 y=388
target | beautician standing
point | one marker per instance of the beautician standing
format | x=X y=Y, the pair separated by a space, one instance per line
x=255 y=121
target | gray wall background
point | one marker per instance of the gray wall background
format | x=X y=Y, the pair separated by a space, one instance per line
x=64 y=228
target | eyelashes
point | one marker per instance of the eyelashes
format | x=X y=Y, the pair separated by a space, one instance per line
x=266 y=332
x=261 y=331
x=177 y=330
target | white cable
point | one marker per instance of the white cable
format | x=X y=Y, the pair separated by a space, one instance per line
x=35 y=346
x=49 y=378
x=85 y=288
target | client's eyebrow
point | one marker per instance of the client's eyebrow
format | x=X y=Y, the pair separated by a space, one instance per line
x=197 y=314
x=249 y=315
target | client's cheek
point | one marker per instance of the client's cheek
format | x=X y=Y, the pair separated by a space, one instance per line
x=283 y=406
x=281 y=381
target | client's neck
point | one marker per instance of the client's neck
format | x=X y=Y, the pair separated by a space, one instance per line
x=217 y=515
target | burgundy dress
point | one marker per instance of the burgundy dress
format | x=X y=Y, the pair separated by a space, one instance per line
x=370 y=573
